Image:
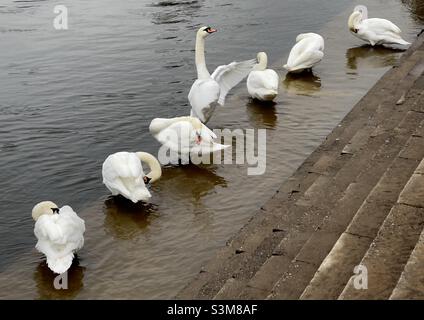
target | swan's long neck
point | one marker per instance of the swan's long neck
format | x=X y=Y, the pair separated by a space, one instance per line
x=362 y=9
x=202 y=70
x=354 y=20
x=154 y=165
x=262 y=62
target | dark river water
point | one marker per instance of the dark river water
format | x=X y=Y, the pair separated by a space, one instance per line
x=70 y=98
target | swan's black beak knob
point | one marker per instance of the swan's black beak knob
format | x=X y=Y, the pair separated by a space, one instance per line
x=146 y=179
x=55 y=210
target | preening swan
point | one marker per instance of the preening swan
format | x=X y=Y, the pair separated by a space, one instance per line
x=262 y=83
x=123 y=174
x=306 y=53
x=375 y=31
x=185 y=135
x=209 y=90
x=60 y=233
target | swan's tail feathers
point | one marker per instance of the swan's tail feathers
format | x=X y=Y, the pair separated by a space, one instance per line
x=140 y=194
x=397 y=42
x=265 y=94
x=403 y=42
x=218 y=147
x=208 y=148
x=61 y=264
x=270 y=95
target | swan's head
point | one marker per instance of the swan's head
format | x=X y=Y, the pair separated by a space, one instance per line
x=154 y=165
x=197 y=126
x=205 y=31
x=354 y=20
x=45 y=207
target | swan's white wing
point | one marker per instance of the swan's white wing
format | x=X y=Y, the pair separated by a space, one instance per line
x=73 y=228
x=178 y=137
x=266 y=79
x=207 y=145
x=47 y=229
x=206 y=130
x=254 y=81
x=123 y=174
x=202 y=94
x=207 y=148
x=263 y=85
x=159 y=124
x=381 y=25
x=306 y=53
x=59 y=236
x=122 y=164
x=380 y=31
x=305 y=60
x=228 y=76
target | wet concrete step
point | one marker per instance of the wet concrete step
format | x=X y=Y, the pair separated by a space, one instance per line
x=255 y=243
x=300 y=273
x=313 y=206
x=337 y=267
x=318 y=200
x=390 y=250
x=411 y=282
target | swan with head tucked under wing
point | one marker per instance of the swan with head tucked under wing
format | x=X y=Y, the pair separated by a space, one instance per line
x=306 y=53
x=60 y=233
x=210 y=90
x=262 y=83
x=375 y=31
x=185 y=135
x=123 y=174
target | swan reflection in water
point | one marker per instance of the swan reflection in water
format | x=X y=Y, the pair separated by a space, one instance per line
x=124 y=219
x=262 y=115
x=44 y=280
x=305 y=83
x=189 y=182
x=367 y=56
x=183 y=185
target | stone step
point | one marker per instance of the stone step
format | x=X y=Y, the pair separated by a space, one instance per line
x=337 y=267
x=390 y=250
x=294 y=281
x=411 y=282
x=256 y=242
x=314 y=205
x=300 y=269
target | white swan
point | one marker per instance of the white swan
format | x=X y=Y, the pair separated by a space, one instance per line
x=262 y=83
x=209 y=90
x=306 y=53
x=185 y=135
x=123 y=174
x=375 y=31
x=60 y=233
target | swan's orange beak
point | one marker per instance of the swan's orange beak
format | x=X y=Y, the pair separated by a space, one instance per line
x=198 y=139
x=211 y=30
